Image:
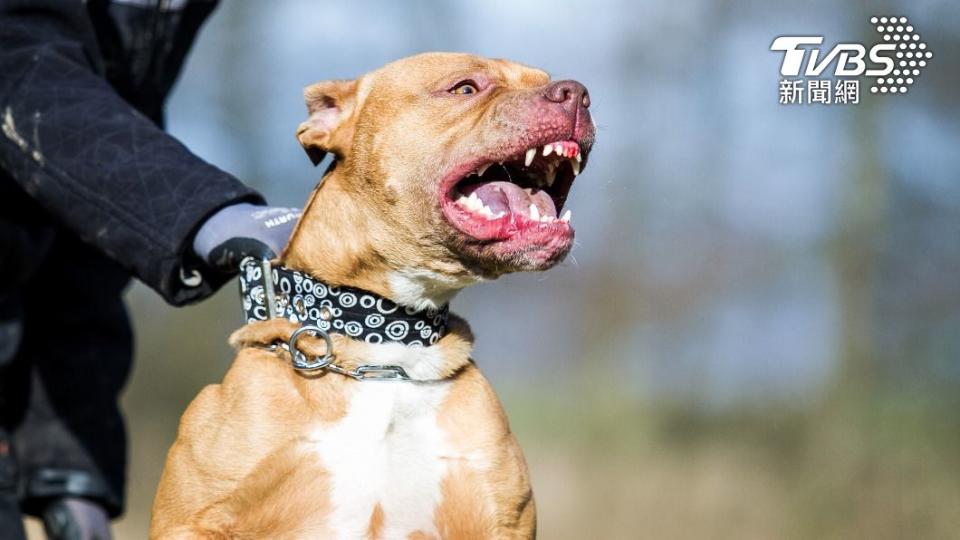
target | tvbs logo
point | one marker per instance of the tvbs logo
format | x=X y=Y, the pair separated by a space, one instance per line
x=891 y=65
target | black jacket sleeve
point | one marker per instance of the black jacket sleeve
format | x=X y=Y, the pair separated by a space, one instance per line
x=103 y=170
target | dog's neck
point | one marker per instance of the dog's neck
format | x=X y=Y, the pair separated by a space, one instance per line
x=342 y=239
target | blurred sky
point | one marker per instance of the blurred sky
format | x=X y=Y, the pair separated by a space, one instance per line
x=728 y=247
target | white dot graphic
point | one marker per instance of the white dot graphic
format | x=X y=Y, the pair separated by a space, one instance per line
x=910 y=52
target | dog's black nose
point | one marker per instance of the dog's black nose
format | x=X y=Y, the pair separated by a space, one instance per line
x=563 y=91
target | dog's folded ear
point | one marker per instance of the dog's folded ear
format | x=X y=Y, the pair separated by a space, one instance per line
x=330 y=126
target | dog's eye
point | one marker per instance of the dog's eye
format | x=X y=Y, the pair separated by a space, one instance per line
x=464 y=88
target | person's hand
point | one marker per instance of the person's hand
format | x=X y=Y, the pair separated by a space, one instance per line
x=244 y=230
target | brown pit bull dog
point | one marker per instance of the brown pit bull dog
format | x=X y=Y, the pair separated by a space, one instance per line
x=450 y=169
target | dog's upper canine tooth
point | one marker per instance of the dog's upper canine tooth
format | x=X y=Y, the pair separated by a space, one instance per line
x=566 y=216
x=575 y=165
x=529 y=159
x=483 y=169
x=578 y=156
x=534 y=212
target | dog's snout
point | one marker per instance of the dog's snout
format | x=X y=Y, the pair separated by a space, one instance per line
x=568 y=91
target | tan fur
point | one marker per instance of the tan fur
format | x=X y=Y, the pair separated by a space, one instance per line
x=243 y=465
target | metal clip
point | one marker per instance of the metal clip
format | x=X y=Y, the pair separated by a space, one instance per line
x=380 y=373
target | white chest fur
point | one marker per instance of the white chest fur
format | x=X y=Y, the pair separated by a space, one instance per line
x=387 y=450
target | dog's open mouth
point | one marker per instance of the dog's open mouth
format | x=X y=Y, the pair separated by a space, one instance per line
x=498 y=199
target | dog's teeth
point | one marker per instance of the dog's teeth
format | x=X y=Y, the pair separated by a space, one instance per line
x=547 y=149
x=575 y=165
x=529 y=159
x=473 y=202
x=463 y=201
x=534 y=212
x=566 y=216
x=578 y=156
x=482 y=169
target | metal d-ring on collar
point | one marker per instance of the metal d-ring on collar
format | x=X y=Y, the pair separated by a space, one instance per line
x=300 y=362
x=299 y=359
x=361 y=373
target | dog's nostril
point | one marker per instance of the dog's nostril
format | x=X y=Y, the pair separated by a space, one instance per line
x=563 y=91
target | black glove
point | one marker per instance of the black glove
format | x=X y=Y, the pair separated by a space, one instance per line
x=244 y=230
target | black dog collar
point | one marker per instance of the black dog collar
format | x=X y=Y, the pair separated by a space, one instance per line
x=335 y=309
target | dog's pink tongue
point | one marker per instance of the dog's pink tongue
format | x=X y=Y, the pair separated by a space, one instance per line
x=502 y=196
